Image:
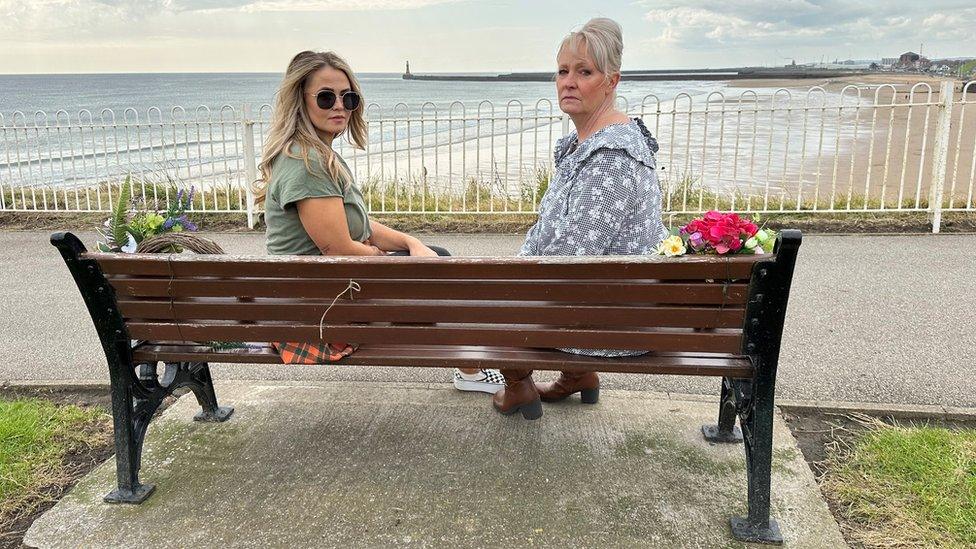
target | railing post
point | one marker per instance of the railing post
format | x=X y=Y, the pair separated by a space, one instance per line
x=941 y=152
x=567 y=124
x=250 y=165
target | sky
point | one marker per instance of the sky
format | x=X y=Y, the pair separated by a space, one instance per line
x=107 y=36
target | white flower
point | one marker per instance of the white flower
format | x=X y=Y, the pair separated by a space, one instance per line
x=672 y=246
x=130 y=246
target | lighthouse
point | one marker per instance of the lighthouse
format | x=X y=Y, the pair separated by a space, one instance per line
x=408 y=69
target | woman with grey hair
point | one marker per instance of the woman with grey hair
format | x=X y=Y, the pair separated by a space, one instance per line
x=603 y=197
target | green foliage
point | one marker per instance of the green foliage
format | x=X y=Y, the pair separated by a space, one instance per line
x=125 y=229
x=145 y=225
x=968 y=67
x=116 y=233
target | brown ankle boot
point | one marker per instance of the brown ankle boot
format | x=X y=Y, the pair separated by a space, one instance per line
x=585 y=383
x=518 y=395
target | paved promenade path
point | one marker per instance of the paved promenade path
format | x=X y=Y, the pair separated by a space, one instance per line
x=344 y=465
x=889 y=319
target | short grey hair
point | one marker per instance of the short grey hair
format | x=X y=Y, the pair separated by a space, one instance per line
x=604 y=43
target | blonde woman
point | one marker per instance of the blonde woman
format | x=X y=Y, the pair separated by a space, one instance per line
x=603 y=197
x=312 y=205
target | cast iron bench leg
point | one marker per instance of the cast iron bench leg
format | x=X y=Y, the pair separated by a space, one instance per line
x=726 y=431
x=201 y=383
x=131 y=415
x=134 y=401
x=758 y=527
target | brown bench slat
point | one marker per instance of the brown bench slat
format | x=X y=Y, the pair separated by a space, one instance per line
x=434 y=311
x=723 y=341
x=262 y=347
x=547 y=290
x=474 y=357
x=604 y=268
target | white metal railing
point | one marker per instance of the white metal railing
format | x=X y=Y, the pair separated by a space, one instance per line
x=860 y=148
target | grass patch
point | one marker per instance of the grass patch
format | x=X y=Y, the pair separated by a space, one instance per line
x=898 y=486
x=492 y=195
x=690 y=194
x=418 y=206
x=38 y=440
x=145 y=193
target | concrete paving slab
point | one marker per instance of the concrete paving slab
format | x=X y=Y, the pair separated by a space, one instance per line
x=379 y=465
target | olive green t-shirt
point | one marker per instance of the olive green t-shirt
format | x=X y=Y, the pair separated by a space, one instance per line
x=291 y=182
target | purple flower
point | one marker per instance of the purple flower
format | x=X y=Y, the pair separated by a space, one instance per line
x=168 y=224
x=696 y=240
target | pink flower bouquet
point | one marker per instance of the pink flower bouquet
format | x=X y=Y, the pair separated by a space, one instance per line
x=718 y=233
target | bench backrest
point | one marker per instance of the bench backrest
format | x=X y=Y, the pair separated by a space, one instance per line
x=684 y=304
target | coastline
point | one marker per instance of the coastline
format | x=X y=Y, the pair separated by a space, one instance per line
x=746 y=145
x=895 y=168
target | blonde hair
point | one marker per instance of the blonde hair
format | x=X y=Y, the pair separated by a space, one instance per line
x=291 y=125
x=603 y=39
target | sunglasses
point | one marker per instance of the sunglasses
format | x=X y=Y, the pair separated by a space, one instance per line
x=326 y=99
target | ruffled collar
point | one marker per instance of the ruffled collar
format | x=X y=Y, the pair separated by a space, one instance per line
x=631 y=137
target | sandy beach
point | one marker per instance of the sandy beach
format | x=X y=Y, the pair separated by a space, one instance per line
x=897 y=164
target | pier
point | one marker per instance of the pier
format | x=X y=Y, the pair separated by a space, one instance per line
x=744 y=73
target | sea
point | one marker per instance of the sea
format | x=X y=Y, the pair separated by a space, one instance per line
x=73 y=93
x=77 y=130
x=81 y=130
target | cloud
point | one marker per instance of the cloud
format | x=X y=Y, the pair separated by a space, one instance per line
x=44 y=16
x=45 y=20
x=955 y=25
x=717 y=25
x=702 y=28
x=333 y=5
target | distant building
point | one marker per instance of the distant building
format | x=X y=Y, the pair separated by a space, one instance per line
x=889 y=61
x=908 y=59
x=912 y=61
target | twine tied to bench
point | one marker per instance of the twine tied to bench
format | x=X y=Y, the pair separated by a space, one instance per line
x=353 y=286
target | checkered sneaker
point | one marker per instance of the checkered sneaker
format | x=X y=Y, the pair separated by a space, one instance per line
x=485 y=381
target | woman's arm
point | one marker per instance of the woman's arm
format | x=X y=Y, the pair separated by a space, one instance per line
x=324 y=220
x=389 y=239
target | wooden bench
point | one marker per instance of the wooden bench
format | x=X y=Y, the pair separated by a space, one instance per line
x=698 y=315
